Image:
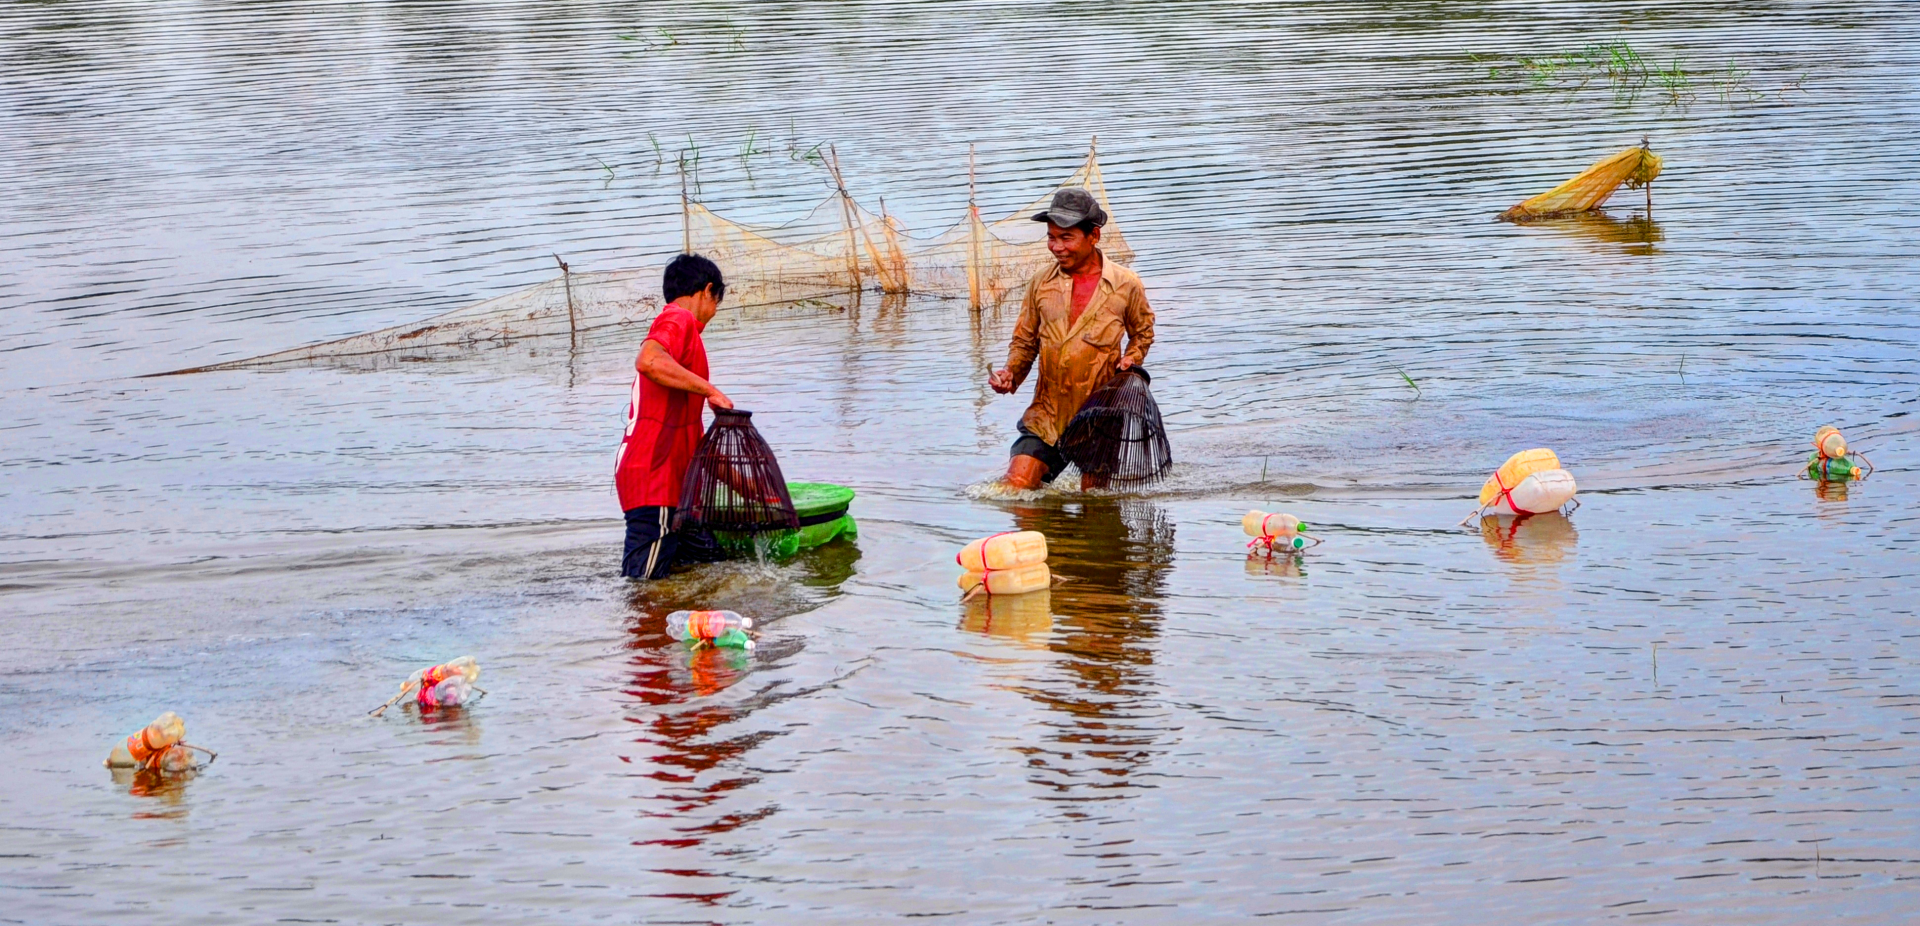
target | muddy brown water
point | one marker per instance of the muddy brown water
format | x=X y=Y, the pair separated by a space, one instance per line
x=1692 y=701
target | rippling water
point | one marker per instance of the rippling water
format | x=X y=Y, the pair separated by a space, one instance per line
x=1692 y=701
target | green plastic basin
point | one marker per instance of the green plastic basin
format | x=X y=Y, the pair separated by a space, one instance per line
x=822 y=507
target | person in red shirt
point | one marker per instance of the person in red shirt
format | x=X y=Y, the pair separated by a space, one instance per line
x=670 y=390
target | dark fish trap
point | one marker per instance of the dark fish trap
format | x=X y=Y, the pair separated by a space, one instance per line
x=1118 y=435
x=734 y=483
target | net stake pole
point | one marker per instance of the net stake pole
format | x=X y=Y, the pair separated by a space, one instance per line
x=973 y=238
x=846 y=216
x=566 y=280
x=686 y=213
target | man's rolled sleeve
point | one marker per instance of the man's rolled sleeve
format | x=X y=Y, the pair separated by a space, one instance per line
x=1026 y=339
x=1139 y=320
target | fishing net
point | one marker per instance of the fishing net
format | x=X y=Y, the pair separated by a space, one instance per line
x=837 y=247
x=734 y=483
x=841 y=246
x=1635 y=167
x=1118 y=435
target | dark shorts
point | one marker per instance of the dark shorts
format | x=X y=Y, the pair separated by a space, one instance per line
x=653 y=549
x=1029 y=444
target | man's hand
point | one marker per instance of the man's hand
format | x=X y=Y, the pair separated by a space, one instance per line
x=719 y=401
x=1126 y=363
x=1001 y=380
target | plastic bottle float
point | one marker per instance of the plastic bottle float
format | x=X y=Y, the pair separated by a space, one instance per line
x=1009 y=563
x=1530 y=482
x=449 y=684
x=1832 y=461
x=159 y=747
x=701 y=629
x=1275 y=533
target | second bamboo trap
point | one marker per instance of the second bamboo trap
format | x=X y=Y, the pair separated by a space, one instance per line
x=1117 y=435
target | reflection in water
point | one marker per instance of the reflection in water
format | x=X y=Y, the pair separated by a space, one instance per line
x=1286 y=565
x=688 y=745
x=169 y=789
x=458 y=721
x=1020 y=618
x=1115 y=555
x=1636 y=233
x=1835 y=491
x=1531 y=539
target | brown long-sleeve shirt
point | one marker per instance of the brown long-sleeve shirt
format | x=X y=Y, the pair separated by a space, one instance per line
x=1075 y=359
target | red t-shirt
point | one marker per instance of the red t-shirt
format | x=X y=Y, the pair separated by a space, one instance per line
x=663 y=425
x=1084 y=285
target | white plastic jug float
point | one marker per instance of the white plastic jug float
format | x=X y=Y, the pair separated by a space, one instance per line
x=1530 y=482
x=1012 y=563
x=1004 y=551
x=1275 y=532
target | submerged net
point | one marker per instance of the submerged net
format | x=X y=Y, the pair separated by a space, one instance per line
x=1118 y=435
x=1635 y=167
x=734 y=483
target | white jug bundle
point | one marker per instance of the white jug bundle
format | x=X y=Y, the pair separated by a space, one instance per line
x=1016 y=581
x=1275 y=532
x=1010 y=563
x=449 y=684
x=160 y=746
x=1530 y=482
x=1832 y=461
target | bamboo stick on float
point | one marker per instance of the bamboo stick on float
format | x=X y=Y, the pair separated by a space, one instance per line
x=566 y=279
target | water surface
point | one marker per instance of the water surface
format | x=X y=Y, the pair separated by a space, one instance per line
x=1688 y=702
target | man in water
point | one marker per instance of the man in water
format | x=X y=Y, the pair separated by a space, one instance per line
x=663 y=420
x=1072 y=321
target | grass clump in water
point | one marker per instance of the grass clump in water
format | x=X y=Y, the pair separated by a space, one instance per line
x=1616 y=65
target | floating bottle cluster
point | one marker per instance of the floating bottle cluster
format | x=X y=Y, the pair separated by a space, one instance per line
x=1275 y=533
x=1833 y=461
x=158 y=747
x=449 y=684
x=711 y=628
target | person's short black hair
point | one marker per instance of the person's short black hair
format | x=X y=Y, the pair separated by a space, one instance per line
x=690 y=273
x=1087 y=225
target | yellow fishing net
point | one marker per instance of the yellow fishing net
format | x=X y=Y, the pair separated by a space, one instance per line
x=838 y=247
x=1635 y=167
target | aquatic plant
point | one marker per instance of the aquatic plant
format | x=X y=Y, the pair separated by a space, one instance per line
x=1404 y=376
x=1619 y=67
x=658 y=40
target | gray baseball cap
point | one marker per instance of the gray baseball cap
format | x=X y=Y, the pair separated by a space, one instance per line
x=1071 y=206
